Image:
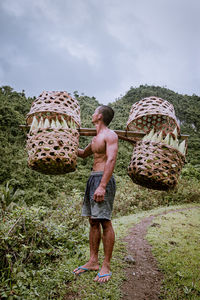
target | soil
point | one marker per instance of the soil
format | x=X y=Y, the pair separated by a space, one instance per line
x=143 y=279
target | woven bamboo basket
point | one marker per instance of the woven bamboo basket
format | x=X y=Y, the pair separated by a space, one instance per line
x=52 y=145
x=155 y=165
x=152 y=112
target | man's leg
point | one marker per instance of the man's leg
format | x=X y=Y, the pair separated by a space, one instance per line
x=108 y=243
x=94 y=238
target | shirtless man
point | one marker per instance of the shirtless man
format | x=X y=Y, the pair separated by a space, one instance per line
x=100 y=192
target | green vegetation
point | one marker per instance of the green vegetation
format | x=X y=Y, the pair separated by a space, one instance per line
x=35 y=242
x=42 y=236
x=137 y=198
x=176 y=245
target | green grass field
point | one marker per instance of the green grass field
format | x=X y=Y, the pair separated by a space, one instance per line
x=176 y=246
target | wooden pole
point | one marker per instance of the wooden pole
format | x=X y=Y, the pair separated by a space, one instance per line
x=126 y=135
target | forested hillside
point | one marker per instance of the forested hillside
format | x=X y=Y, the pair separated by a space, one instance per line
x=32 y=186
x=42 y=235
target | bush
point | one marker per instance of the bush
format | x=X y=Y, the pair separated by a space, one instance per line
x=131 y=198
x=37 y=238
x=190 y=171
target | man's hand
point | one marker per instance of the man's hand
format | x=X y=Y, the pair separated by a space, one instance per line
x=83 y=153
x=99 y=194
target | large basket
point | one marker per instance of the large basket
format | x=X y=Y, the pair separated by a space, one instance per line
x=152 y=112
x=52 y=149
x=155 y=165
x=53 y=152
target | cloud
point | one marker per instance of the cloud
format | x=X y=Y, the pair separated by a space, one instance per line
x=14 y=8
x=70 y=46
x=99 y=48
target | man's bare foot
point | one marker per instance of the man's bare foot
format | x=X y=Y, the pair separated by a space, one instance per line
x=89 y=266
x=104 y=275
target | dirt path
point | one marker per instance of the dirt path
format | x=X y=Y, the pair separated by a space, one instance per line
x=143 y=279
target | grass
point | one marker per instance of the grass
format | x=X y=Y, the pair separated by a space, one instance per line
x=176 y=246
x=83 y=287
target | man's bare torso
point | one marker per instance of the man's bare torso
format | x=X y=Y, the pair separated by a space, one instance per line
x=98 y=146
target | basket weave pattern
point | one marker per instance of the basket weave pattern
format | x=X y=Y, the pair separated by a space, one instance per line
x=57 y=103
x=53 y=152
x=152 y=112
x=155 y=165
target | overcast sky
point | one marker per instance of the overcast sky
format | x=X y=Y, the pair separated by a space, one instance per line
x=99 y=47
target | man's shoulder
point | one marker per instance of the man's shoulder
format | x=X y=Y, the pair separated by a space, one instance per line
x=111 y=134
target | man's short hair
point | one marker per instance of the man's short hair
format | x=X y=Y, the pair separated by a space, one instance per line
x=107 y=113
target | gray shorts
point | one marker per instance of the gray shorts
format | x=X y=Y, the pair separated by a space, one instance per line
x=98 y=210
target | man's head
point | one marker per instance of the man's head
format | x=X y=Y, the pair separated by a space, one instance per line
x=106 y=112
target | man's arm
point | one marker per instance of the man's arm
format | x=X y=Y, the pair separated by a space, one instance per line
x=111 y=154
x=83 y=153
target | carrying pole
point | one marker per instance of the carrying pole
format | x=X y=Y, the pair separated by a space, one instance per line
x=126 y=135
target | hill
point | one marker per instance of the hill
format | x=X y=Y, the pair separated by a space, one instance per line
x=33 y=187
